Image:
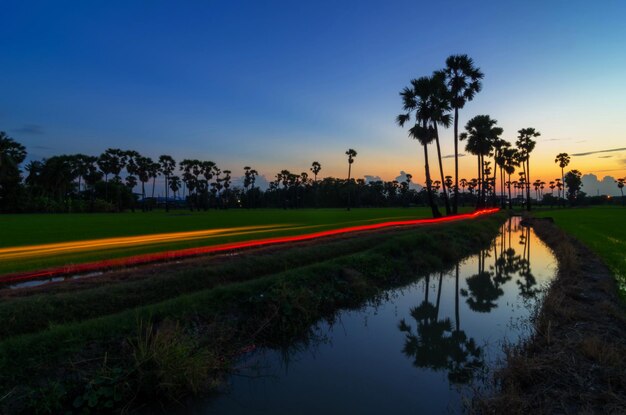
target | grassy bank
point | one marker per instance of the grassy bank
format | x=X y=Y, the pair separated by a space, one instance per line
x=176 y=342
x=222 y=226
x=602 y=229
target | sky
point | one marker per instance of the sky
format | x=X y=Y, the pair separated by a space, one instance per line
x=277 y=85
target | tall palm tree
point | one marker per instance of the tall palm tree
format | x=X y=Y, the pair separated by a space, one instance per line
x=416 y=101
x=168 y=165
x=499 y=145
x=480 y=133
x=562 y=159
x=440 y=115
x=464 y=82
x=526 y=145
x=351 y=155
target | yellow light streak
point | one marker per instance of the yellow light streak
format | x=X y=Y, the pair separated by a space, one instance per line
x=130 y=241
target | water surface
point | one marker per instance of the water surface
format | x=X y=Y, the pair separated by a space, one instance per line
x=421 y=349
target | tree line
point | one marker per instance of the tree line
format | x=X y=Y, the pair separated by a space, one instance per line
x=433 y=102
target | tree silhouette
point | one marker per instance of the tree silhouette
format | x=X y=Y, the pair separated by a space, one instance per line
x=525 y=145
x=480 y=133
x=562 y=159
x=620 y=185
x=440 y=108
x=574 y=183
x=464 y=82
x=509 y=162
x=351 y=155
x=417 y=100
x=168 y=165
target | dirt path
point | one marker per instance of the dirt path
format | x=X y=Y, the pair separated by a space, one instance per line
x=576 y=361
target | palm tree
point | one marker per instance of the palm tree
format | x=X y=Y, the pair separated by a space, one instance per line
x=526 y=145
x=463 y=80
x=499 y=147
x=509 y=162
x=480 y=133
x=316 y=167
x=562 y=159
x=620 y=185
x=351 y=155
x=174 y=184
x=168 y=165
x=416 y=100
x=440 y=115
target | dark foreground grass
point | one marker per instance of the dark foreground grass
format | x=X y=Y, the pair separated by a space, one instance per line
x=120 y=356
x=34 y=229
x=602 y=229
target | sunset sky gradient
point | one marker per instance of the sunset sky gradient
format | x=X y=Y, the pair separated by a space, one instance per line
x=276 y=85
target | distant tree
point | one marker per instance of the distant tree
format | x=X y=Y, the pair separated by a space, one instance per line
x=167 y=167
x=562 y=159
x=574 y=183
x=351 y=155
x=174 y=184
x=525 y=145
x=620 y=185
x=480 y=133
x=464 y=82
x=316 y=167
x=12 y=154
x=509 y=163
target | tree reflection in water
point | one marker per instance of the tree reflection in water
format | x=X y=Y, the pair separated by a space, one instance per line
x=434 y=343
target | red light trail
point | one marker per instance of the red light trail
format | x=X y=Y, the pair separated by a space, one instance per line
x=190 y=252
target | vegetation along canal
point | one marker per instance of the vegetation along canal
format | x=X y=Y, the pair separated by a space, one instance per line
x=420 y=348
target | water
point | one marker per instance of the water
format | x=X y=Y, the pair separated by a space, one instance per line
x=423 y=349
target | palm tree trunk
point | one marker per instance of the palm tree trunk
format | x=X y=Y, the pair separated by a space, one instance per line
x=455 y=204
x=528 y=183
x=562 y=181
x=433 y=207
x=153 y=183
x=509 y=187
x=167 y=208
x=349 y=173
x=479 y=183
x=443 y=180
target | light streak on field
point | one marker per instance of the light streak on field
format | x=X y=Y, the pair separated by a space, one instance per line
x=190 y=252
x=130 y=241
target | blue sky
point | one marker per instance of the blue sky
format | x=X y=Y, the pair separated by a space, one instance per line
x=279 y=84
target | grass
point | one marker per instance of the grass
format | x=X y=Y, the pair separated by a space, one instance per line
x=34 y=229
x=602 y=229
x=74 y=337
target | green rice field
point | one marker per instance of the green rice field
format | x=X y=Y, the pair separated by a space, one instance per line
x=34 y=229
x=602 y=229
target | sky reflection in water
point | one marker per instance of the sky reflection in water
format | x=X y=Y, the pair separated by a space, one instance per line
x=414 y=352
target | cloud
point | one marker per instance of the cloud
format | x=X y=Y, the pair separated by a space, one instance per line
x=402 y=178
x=604 y=157
x=370 y=179
x=32 y=129
x=592 y=186
x=451 y=156
x=599 y=151
x=581 y=141
x=41 y=148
